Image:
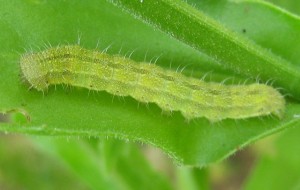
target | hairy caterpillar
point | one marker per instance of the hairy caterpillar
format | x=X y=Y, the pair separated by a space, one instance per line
x=172 y=91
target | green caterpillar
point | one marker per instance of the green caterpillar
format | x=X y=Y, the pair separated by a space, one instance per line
x=172 y=91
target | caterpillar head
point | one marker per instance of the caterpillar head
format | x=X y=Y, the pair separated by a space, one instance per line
x=33 y=71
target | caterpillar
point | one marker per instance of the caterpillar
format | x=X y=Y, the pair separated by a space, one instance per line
x=145 y=82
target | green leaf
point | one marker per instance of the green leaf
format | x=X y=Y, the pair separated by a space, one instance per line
x=292 y=6
x=229 y=49
x=78 y=112
x=242 y=17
